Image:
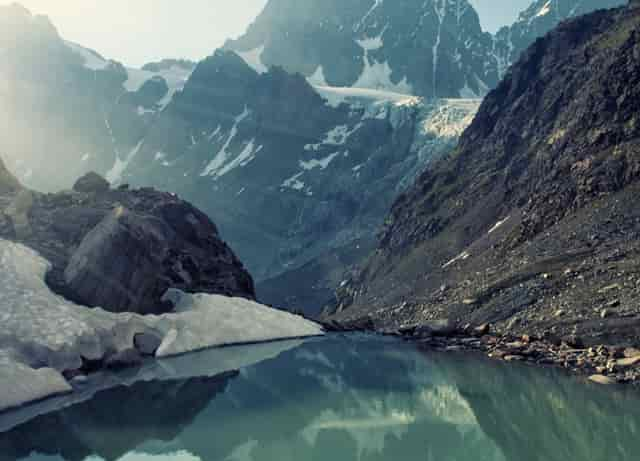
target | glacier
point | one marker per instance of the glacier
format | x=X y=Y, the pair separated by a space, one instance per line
x=42 y=334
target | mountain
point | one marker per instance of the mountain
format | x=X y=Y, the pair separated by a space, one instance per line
x=297 y=169
x=290 y=175
x=66 y=105
x=531 y=222
x=432 y=48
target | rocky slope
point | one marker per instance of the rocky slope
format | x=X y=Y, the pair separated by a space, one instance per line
x=120 y=249
x=531 y=223
x=433 y=48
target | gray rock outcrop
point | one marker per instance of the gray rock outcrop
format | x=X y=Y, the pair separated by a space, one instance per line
x=121 y=249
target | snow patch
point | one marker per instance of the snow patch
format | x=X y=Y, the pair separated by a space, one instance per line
x=377 y=75
x=61 y=332
x=498 y=225
x=363 y=21
x=92 y=60
x=337 y=136
x=202 y=321
x=294 y=182
x=181 y=455
x=114 y=175
x=448 y=118
x=338 y=95
x=22 y=384
x=220 y=159
x=315 y=163
x=253 y=58
x=546 y=9
x=175 y=76
x=318 y=77
x=243 y=159
x=461 y=257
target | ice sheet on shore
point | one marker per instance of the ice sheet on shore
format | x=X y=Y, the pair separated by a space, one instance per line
x=41 y=332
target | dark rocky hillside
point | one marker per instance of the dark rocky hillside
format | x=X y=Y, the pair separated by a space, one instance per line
x=120 y=249
x=532 y=223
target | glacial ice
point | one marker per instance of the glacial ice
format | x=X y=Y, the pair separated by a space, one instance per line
x=42 y=334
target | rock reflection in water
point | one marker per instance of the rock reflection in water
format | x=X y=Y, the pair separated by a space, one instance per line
x=115 y=421
x=355 y=398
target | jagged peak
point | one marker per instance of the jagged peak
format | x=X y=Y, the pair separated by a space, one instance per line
x=8 y=181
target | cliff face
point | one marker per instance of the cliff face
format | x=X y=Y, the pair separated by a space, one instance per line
x=531 y=216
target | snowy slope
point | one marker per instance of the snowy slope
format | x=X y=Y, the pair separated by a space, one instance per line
x=431 y=48
x=39 y=328
x=175 y=76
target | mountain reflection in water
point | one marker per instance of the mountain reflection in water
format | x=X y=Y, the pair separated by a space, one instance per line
x=343 y=398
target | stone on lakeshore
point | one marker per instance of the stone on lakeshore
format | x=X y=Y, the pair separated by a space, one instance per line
x=124 y=359
x=628 y=362
x=147 y=343
x=436 y=328
x=513 y=358
x=601 y=379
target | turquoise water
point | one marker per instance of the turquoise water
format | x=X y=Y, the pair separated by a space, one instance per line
x=339 y=398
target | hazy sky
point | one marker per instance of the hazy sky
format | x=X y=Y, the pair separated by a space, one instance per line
x=497 y=13
x=138 y=31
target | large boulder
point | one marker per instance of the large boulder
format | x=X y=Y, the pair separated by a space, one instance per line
x=128 y=261
x=119 y=264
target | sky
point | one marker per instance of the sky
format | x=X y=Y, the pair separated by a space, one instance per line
x=497 y=13
x=139 y=31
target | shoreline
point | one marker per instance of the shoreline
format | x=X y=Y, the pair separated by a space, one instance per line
x=601 y=364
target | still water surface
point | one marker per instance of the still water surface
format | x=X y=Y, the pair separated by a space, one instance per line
x=335 y=399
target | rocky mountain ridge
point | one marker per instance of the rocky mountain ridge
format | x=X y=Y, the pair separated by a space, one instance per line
x=530 y=223
x=433 y=48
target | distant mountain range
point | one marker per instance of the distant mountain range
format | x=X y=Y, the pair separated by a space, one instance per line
x=295 y=138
